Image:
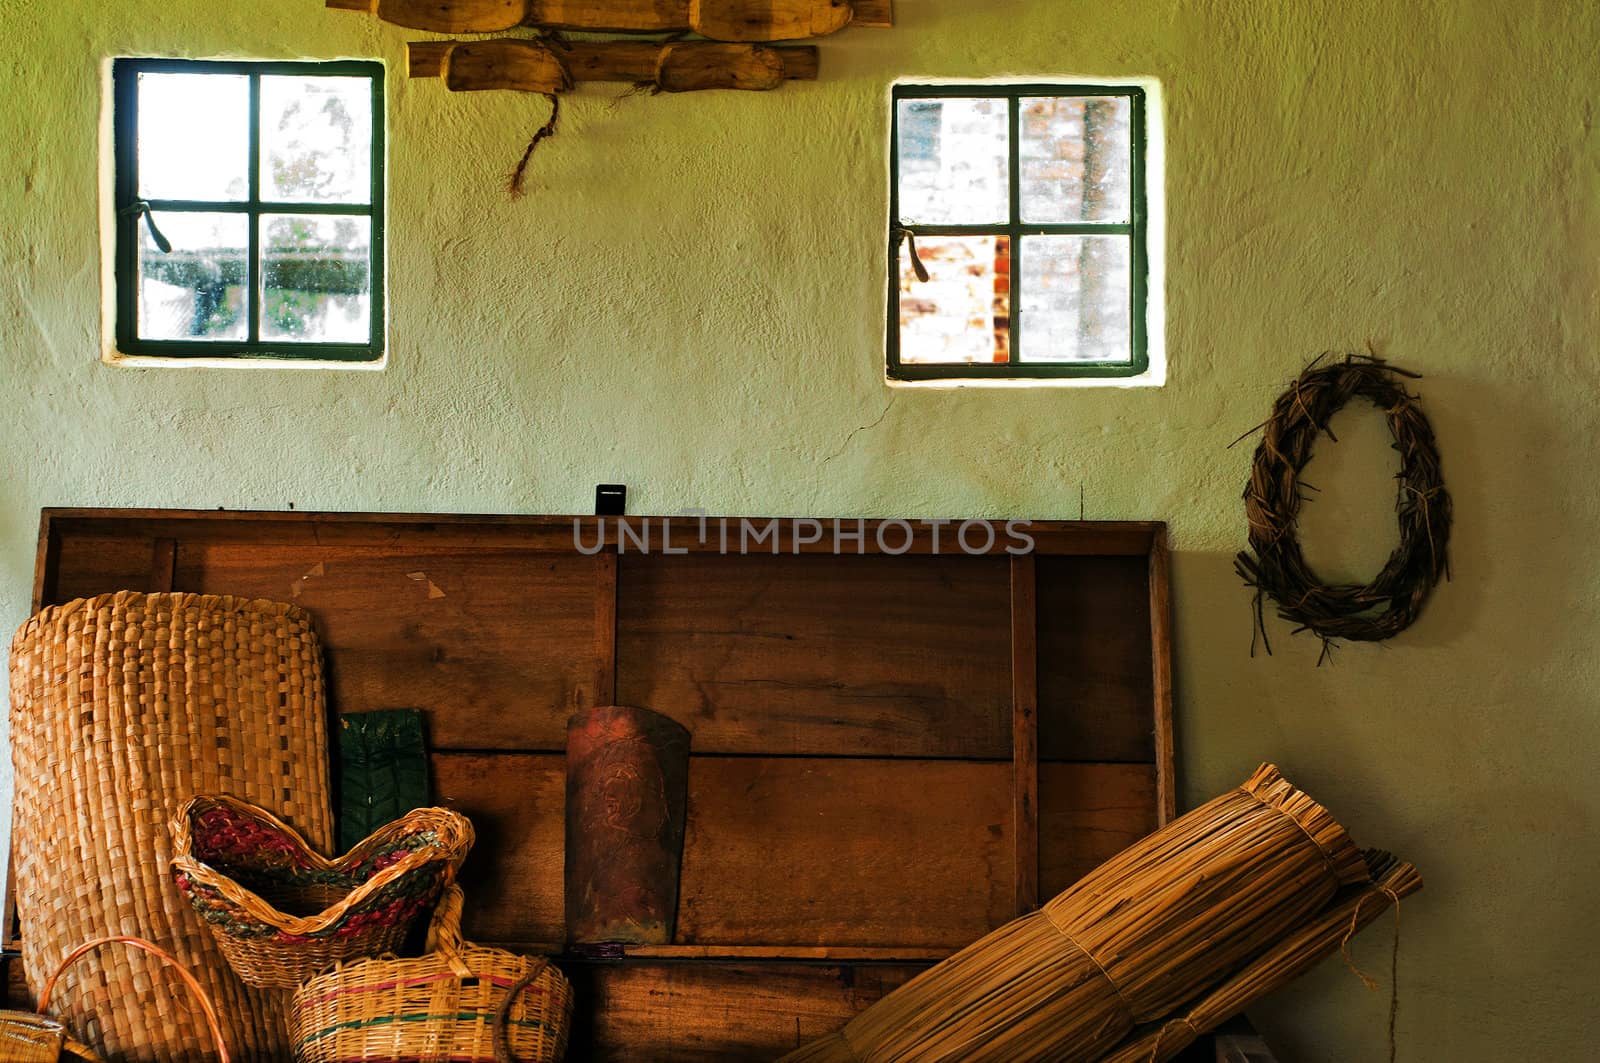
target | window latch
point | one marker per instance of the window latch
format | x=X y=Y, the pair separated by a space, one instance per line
x=140 y=206
x=910 y=238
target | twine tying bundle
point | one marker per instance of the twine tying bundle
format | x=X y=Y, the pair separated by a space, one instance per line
x=1394 y=958
x=1392 y=601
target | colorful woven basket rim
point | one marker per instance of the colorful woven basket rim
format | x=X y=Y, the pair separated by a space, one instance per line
x=455 y=838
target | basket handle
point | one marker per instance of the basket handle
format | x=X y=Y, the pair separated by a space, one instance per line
x=444 y=931
x=502 y=1038
x=195 y=989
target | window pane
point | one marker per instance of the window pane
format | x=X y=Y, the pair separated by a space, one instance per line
x=194 y=136
x=954 y=165
x=961 y=313
x=316 y=139
x=316 y=278
x=1077 y=155
x=197 y=292
x=1075 y=299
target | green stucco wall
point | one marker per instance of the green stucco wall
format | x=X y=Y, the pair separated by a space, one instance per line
x=690 y=300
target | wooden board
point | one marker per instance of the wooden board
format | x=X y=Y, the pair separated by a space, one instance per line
x=716 y=1013
x=785 y=854
x=1095 y=659
x=820 y=654
x=517 y=804
x=1088 y=814
x=675 y=67
x=894 y=748
x=787 y=851
x=725 y=20
x=434 y=629
x=87 y=566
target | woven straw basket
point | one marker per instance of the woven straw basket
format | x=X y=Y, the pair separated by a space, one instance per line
x=460 y=1002
x=233 y=690
x=281 y=912
x=27 y=1037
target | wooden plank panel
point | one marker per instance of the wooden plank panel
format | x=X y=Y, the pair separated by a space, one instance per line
x=610 y=60
x=787 y=855
x=400 y=532
x=1089 y=813
x=497 y=646
x=605 y=628
x=1024 y=734
x=813 y=853
x=714 y=1012
x=821 y=654
x=1095 y=687
x=89 y=566
x=796 y=851
x=830 y=953
x=163 y=565
x=384 y=532
x=512 y=879
x=879 y=14
x=1161 y=677
x=47 y=557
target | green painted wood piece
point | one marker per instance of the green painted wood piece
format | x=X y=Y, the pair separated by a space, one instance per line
x=383 y=771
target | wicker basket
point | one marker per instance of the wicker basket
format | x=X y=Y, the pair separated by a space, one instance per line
x=461 y=1002
x=281 y=912
x=34 y=1037
x=123 y=707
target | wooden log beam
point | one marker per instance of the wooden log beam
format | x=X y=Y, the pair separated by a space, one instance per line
x=534 y=66
x=738 y=21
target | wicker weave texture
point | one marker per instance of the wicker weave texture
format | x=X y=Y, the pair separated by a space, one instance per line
x=281 y=911
x=29 y=1038
x=122 y=707
x=436 y=1008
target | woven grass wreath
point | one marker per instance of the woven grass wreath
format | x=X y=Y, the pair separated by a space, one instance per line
x=1395 y=597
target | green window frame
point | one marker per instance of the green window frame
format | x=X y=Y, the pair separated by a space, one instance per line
x=133 y=211
x=1135 y=230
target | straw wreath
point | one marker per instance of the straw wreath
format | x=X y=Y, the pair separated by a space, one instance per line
x=1390 y=603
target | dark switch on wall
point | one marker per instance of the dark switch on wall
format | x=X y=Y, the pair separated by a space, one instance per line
x=610 y=499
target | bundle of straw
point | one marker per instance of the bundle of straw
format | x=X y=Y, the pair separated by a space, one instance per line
x=1299 y=951
x=1137 y=938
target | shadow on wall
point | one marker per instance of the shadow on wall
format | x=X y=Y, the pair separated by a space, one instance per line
x=1459 y=744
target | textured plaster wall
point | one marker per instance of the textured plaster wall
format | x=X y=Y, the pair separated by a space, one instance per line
x=690 y=301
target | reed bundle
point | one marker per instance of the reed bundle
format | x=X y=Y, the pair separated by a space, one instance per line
x=1305 y=947
x=1138 y=937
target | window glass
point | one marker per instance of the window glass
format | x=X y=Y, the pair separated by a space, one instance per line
x=1023 y=207
x=250 y=209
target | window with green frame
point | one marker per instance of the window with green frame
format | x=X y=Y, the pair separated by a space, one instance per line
x=1017 y=232
x=249 y=200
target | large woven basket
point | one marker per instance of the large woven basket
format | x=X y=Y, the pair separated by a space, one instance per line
x=460 y=1003
x=34 y=1037
x=123 y=707
x=281 y=911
